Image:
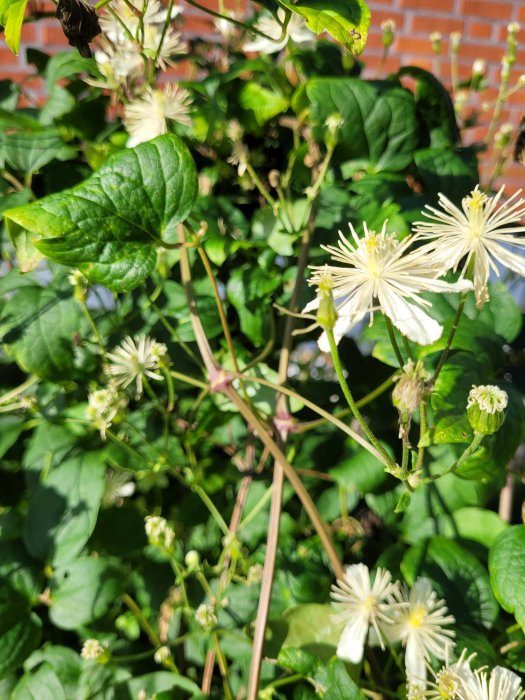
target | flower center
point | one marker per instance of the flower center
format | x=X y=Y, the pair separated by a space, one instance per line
x=446 y=684
x=370 y=603
x=417 y=616
x=475 y=205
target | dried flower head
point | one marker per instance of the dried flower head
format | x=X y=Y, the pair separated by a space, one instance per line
x=158 y=532
x=146 y=116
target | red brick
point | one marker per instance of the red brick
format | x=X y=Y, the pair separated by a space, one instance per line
x=28 y=34
x=443 y=6
x=379 y=16
x=427 y=24
x=15 y=75
x=480 y=30
x=54 y=36
x=8 y=58
x=487 y=9
x=488 y=52
x=198 y=24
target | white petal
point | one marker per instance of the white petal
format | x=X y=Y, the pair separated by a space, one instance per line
x=352 y=642
x=409 y=319
x=501 y=679
x=415 y=662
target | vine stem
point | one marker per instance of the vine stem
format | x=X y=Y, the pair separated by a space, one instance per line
x=232 y=20
x=476 y=442
x=351 y=402
x=10 y=395
x=393 y=342
x=147 y=628
x=317 y=409
x=452 y=333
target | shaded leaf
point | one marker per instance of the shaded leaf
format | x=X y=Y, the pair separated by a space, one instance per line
x=507 y=571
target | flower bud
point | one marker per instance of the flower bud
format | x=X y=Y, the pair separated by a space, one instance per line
x=93 y=650
x=333 y=125
x=205 y=616
x=159 y=533
x=161 y=655
x=486 y=408
x=192 y=559
x=435 y=39
x=455 y=39
x=326 y=313
x=388 y=27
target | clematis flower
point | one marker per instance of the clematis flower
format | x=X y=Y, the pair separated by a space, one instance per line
x=382 y=276
x=362 y=605
x=479 y=232
x=146 y=117
x=295 y=30
x=501 y=684
x=135 y=359
x=420 y=624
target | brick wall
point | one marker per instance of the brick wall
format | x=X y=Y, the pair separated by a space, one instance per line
x=483 y=24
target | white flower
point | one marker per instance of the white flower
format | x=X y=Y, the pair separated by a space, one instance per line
x=135 y=359
x=162 y=654
x=205 y=616
x=158 y=532
x=118 y=485
x=94 y=650
x=146 y=116
x=480 y=232
x=502 y=684
x=382 y=276
x=296 y=31
x=419 y=623
x=103 y=406
x=362 y=606
x=489 y=398
x=239 y=157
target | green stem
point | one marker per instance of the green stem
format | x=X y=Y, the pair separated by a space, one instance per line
x=422 y=431
x=212 y=508
x=147 y=628
x=188 y=380
x=350 y=400
x=476 y=442
x=256 y=509
x=13 y=393
x=393 y=342
x=262 y=189
x=452 y=333
x=232 y=20
x=317 y=409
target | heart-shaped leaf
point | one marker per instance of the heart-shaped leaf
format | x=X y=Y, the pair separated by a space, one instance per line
x=109 y=226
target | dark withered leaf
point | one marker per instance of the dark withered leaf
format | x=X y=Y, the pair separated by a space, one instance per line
x=79 y=23
x=519 y=146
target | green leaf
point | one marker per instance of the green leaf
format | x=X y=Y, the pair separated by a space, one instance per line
x=333 y=682
x=63 y=509
x=21 y=629
x=507 y=571
x=471 y=523
x=361 y=472
x=12 y=20
x=435 y=107
x=262 y=102
x=65 y=662
x=42 y=685
x=458 y=576
x=453 y=173
x=38 y=325
x=298 y=661
x=153 y=683
x=347 y=21
x=29 y=151
x=108 y=226
x=379 y=120
x=450 y=429
x=11 y=427
x=83 y=591
x=312 y=627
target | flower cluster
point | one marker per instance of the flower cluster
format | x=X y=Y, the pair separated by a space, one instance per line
x=158 y=532
x=137 y=40
x=380 y=611
x=384 y=611
x=384 y=274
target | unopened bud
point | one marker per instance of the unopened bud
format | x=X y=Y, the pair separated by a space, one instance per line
x=192 y=559
x=333 y=124
x=503 y=136
x=479 y=67
x=486 y=408
x=93 y=650
x=455 y=40
x=436 y=41
x=162 y=654
x=388 y=27
x=326 y=313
